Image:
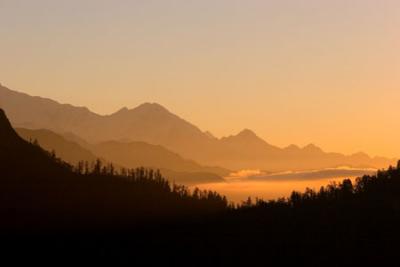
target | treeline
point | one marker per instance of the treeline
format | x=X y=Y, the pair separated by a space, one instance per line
x=136 y=216
x=139 y=176
x=40 y=191
x=341 y=224
x=366 y=190
x=149 y=178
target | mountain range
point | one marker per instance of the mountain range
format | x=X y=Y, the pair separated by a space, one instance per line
x=154 y=125
x=41 y=193
x=125 y=154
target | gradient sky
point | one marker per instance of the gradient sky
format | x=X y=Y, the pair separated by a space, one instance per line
x=326 y=72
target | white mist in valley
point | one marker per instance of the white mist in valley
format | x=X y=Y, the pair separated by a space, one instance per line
x=258 y=184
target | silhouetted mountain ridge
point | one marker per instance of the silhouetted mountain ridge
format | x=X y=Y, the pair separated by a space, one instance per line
x=7 y=133
x=40 y=191
x=128 y=155
x=69 y=151
x=154 y=124
x=51 y=212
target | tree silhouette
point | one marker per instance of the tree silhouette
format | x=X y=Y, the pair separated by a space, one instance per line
x=61 y=212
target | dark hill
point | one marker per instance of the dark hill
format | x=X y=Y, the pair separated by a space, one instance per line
x=126 y=154
x=51 y=213
x=69 y=151
x=20 y=158
x=40 y=192
x=8 y=137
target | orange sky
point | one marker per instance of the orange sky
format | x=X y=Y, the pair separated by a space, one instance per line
x=326 y=72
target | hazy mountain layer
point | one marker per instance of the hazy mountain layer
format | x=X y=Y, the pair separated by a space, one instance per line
x=40 y=192
x=153 y=124
x=69 y=151
x=135 y=154
x=128 y=155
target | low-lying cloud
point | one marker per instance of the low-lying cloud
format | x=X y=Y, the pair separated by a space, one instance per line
x=257 y=184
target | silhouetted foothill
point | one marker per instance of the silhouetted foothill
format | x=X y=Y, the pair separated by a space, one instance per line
x=7 y=133
x=126 y=154
x=5 y=125
x=50 y=209
x=40 y=191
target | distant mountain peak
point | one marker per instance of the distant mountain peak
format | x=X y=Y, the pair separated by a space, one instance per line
x=145 y=108
x=247 y=133
x=154 y=124
x=124 y=109
x=244 y=135
x=360 y=156
x=312 y=148
x=151 y=107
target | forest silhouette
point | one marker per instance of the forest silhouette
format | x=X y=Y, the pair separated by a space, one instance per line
x=94 y=213
x=46 y=192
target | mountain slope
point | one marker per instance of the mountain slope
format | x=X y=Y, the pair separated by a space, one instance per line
x=50 y=213
x=149 y=123
x=172 y=166
x=153 y=124
x=134 y=154
x=21 y=159
x=41 y=192
x=128 y=155
x=69 y=151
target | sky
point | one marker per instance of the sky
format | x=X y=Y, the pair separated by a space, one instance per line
x=298 y=71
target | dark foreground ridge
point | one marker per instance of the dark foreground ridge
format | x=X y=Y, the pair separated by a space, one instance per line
x=53 y=212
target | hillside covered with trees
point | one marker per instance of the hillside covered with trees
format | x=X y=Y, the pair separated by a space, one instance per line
x=90 y=213
x=39 y=191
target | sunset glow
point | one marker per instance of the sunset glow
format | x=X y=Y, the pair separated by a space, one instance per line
x=293 y=71
x=200 y=132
